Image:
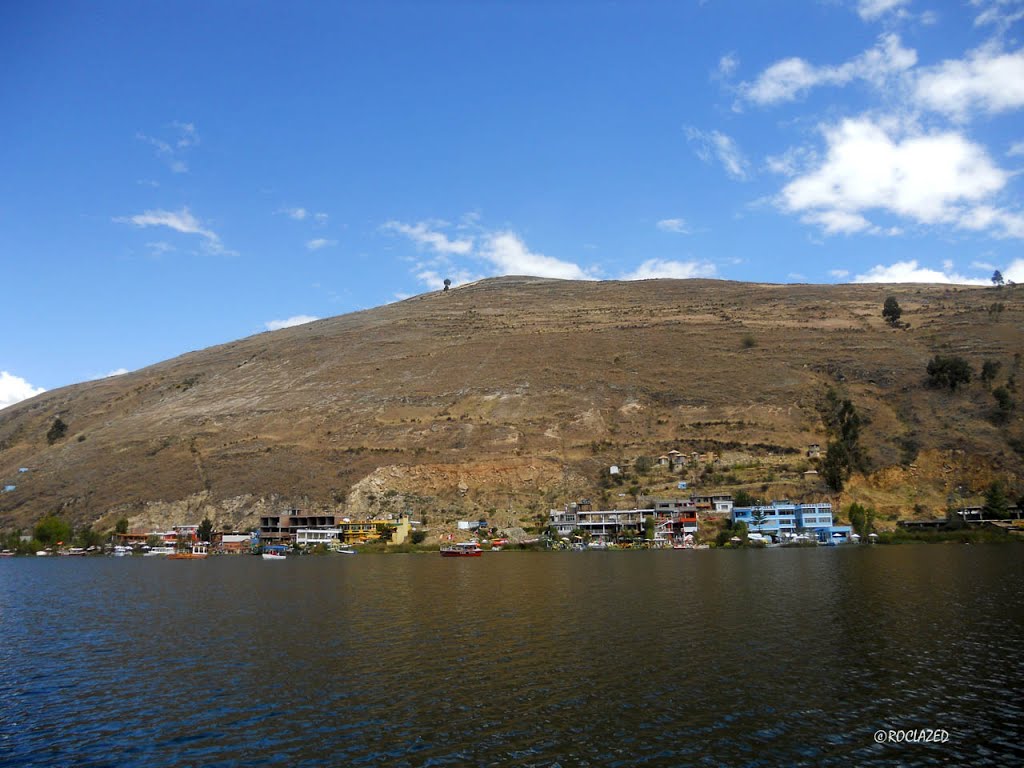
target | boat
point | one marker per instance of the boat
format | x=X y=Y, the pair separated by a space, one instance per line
x=199 y=551
x=162 y=550
x=462 y=549
x=121 y=550
x=346 y=551
x=274 y=552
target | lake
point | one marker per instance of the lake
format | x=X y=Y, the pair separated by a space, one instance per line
x=653 y=658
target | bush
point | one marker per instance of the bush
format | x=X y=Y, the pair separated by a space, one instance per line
x=949 y=371
x=417 y=537
x=57 y=430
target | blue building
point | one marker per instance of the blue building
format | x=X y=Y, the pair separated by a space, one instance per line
x=786 y=520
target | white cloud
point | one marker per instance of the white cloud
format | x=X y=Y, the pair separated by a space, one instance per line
x=159 y=248
x=727 y=65
x=14 y=389
x=173 y=151
x=999 y=13
x=510 y=256
x=869 y=10
x=1016 y=149
x=678 y=226
x=789 y=78
x=276 y=325
x=425 y=234
x=984 y=265
x=792 y=162
x=839 y=274
x=116 y=372
x=1015 y=271
x=320 y=218
x=714 y=144
x=320 y=242
x=927 y=178
x=180 y=221
x=988 y=80
x=678 y=270
x=910 y=272
x=299 y=214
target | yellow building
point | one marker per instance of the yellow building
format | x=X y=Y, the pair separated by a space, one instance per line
x=357 y=531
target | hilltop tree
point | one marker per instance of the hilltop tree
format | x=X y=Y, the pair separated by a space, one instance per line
x=997 y=278
x=949 y=371
x=891 y=311
x=447 y=283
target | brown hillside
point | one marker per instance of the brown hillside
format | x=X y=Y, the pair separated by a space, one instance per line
x=509 y=395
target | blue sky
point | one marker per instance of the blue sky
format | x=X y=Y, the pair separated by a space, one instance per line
x=177 y=175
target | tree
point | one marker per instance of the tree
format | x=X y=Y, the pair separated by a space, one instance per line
x=447 y=284
x=649 y=525
x=997 y=278
x=205 y=530
x=52 y=530
x=891 y=311
x=862 y=519
x=836 y=466
x=57 y=430
x=996 y=503
x=949 y=371
x=758 y=517
x=989 y=370
x=742 y=498
x=1004 y=404
x=121 y=526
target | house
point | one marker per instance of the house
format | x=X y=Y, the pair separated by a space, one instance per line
x=813 y=451
x=232 y=543
x=663 y=461
x=675 y=518
x=785 y=520
x=720 y=503
x=281 y=528
x=600 y=524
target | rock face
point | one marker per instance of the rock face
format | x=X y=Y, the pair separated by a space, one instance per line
x=508 y=396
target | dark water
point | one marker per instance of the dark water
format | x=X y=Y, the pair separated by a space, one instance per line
x=779 y=657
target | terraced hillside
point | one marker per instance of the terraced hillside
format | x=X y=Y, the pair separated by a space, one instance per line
x=510 y=395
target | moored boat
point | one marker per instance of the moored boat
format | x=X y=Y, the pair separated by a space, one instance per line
x=462 y=549
x=199 y=551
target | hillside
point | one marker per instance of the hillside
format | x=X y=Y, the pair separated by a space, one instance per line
x=507 y=396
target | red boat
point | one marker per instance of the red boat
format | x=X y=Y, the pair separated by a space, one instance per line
x=462 y=549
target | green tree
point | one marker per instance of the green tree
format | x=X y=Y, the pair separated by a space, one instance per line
x=205 y=531
x=1004 y=404
x=649 y=526
x=643 y=464
x=87 y=537
x=418 y=536
x=121 y=526
x=862 y=519
x=52 y=530
x=949 y=371
x=996 y=503
x=891 y=311
x=743 y=498
x=997 y=278
x=757 y=517
x=57 y=430
x=989 y=370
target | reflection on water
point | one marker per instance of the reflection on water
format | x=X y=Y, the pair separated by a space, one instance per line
x=778 y=657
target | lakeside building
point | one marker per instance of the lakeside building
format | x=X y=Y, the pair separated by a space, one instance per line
x=600 y=524
x=675 y=519
x=784 y=520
